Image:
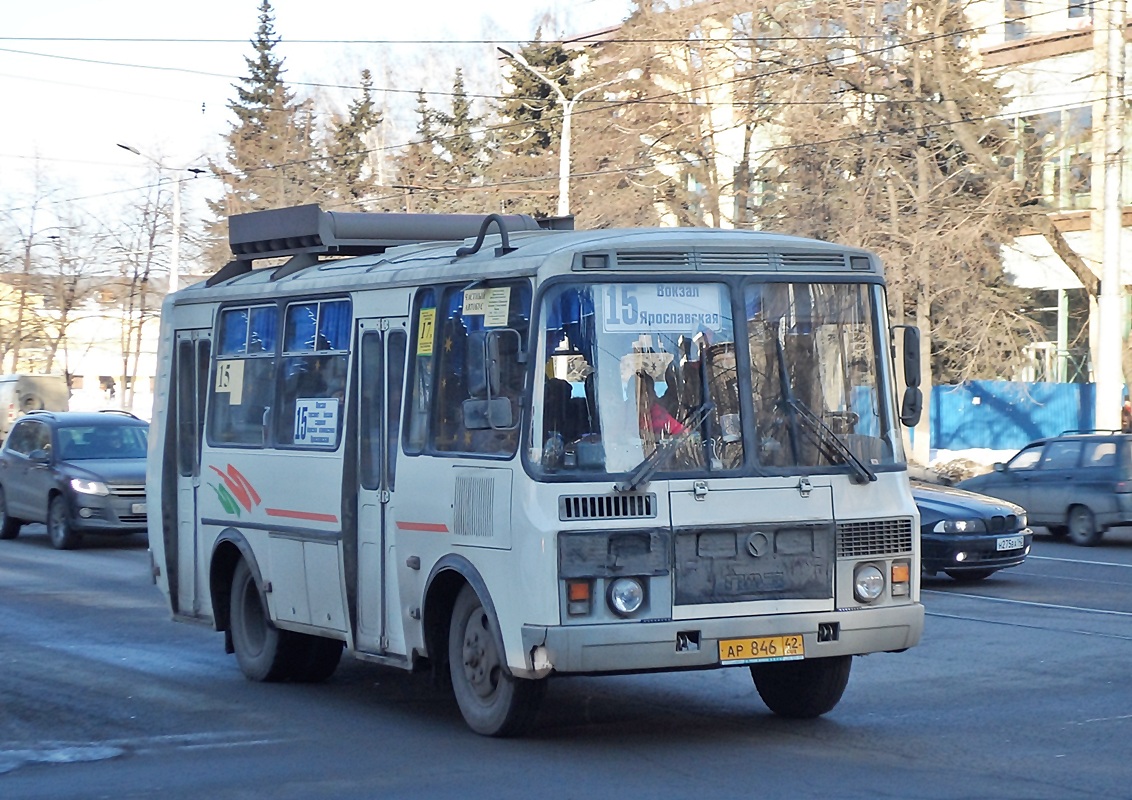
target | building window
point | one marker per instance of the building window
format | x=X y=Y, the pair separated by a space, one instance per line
x=1017 y=23
x=1054 y=157
x=1080 y=9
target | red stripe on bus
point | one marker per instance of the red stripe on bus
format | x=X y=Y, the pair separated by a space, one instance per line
x=431 y=527
x=307 y=515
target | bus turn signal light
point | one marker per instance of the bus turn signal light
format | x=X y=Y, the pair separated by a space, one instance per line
x=577 y=598
x=901 y=579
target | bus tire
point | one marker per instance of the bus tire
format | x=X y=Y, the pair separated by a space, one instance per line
x=802 y=689
x=9 y=525
x=315 y=658
x=263 y=652
x=492 y=701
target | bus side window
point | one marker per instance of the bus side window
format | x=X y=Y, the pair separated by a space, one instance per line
x=312 y=392
x=474 y=323
x=420 y=390
x=243 y=375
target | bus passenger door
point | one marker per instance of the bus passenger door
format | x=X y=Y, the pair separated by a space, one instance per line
x=191 y=382
x=381 y=363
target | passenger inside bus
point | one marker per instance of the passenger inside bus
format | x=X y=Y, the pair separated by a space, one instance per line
x=654 y=417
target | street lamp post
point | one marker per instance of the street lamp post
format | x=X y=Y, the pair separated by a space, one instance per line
x=175 y=243
x=567 y=115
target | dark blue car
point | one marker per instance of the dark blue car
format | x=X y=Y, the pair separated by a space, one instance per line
x=969 y=536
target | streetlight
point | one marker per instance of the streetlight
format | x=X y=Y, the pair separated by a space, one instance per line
x=567 y=113
x=175 y=244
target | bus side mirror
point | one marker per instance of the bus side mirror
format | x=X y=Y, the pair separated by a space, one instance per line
x=911 y=355
x=911 y=406
x=483 y=414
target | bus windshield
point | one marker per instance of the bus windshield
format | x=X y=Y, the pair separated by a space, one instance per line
x=654 y=371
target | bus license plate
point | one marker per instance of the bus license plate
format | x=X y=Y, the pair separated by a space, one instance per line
x=761 y=648
x=1011 y=543
x=137 y=508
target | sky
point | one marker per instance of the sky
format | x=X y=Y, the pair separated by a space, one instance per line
x=73 y=90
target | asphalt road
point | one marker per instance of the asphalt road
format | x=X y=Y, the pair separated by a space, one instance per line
x=1020 y=689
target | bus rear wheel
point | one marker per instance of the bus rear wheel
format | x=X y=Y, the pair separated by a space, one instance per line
x=262 y=650
x=802 y=689
x=492 y=701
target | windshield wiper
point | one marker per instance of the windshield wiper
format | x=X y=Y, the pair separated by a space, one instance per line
x=660 y=454
x=828 y=438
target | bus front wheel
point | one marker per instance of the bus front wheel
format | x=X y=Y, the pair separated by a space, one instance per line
x=492 y=701
x=261 y=648
x=802 y=689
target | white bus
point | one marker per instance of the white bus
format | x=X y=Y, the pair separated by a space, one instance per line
x=507 y=453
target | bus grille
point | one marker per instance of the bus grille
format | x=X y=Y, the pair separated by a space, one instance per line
x=874 y=537
x=606 y=506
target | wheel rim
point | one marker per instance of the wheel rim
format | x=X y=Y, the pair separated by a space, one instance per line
x=1080 y=524
x=57 y=524
x=480 y=658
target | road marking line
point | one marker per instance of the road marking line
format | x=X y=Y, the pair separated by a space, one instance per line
x=1079 y=561
x=1030 y=603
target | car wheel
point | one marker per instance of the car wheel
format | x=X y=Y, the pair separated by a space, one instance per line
x=9 y=525
x=263 y=652
x=970 y=576
x=62 y=535
x=492 y=701
x=802 y=689
x=1083 y=529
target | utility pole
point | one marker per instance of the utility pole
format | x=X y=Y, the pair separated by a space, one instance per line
x=1110 y=306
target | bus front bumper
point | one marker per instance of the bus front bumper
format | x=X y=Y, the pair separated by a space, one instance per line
x=694 y=644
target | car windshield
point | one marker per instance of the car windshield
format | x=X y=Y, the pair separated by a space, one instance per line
x=84 y=442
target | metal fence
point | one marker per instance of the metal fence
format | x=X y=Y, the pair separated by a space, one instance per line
x=1006 y=415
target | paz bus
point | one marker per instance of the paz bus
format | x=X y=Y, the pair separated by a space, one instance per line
x=505 y=450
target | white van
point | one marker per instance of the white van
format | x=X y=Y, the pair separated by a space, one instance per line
x=20 y=394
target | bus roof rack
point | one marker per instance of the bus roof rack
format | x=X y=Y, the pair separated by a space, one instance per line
x=307 y=232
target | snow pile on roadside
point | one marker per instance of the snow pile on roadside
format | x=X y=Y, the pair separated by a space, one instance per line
x=951 y=466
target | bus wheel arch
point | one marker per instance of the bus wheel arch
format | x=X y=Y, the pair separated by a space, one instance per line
x=448 y=576
x=467 y=641
x=230 y=548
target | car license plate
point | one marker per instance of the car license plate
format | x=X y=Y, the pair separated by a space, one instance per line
x=137 y=508
x=1011 y=543
x=761 y=648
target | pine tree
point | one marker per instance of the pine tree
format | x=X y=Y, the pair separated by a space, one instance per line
x=272 y=160
x=523 y=174
x=352 y=176
x=420 y=168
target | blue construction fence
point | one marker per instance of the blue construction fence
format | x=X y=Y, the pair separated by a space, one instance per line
x=1006 y=415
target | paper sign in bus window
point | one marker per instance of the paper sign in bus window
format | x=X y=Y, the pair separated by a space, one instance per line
x=491 y=304
x=230 y=380
x=316 y=421
x=426 y=331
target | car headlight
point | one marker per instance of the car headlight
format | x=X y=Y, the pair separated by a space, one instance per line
x=626 y=595
x=83 y=486
x=868 y=583
x=1023 y=522
x=960 y=526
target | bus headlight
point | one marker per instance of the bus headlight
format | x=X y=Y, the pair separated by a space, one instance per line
x=868 y=583
x=625 y=596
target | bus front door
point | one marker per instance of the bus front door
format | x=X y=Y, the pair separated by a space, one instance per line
x=381 y=365
x=191 y=382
